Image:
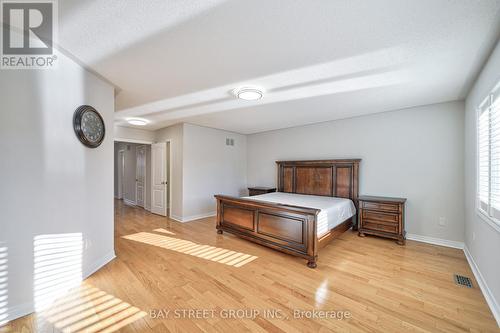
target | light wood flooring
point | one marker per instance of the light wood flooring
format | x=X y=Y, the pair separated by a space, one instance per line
x=163 y=265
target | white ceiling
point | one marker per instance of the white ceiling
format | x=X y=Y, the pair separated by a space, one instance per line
x=177 y=61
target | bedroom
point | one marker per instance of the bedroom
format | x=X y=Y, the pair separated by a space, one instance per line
x=312 y=166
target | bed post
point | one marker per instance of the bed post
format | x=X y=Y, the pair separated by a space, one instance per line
x=355 y=193
x=311 y=262
x=219 y=217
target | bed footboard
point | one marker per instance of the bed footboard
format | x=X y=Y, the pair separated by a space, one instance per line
x=289 y=229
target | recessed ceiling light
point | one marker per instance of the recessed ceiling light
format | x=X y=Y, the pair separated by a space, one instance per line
x=137 y=121
x=249 y=93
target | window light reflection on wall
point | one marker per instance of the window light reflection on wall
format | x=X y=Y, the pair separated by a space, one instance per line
x=57 y=266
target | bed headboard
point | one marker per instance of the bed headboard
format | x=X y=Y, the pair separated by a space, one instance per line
x=333 y=178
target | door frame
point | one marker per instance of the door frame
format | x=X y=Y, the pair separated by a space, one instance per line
x=169 y=181
x=144 y=189
x=121 y=170
x=144 y=142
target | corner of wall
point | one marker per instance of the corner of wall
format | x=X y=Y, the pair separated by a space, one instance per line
x=482 y=242
x=487 y=293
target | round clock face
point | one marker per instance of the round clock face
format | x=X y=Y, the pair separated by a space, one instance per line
x=89 y=126
x=92 y=126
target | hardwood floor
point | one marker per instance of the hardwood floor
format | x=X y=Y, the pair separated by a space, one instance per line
x=161 y=265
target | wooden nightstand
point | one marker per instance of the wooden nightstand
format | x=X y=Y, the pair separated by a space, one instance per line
x=382 y=216
x=257 y=190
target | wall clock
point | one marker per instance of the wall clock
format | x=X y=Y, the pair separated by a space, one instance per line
x=89 y=126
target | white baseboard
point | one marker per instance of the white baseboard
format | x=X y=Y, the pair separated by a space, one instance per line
x=21 y=310
x=192 y=217
x=97 y=265
x=175 y=218
x=488 y=295
x=435 y=241
x=18 y=311
x=129 y=202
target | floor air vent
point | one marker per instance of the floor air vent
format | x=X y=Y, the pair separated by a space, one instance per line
x=462 y=280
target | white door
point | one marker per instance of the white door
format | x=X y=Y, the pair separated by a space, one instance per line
x=121 y=168
x=159 y=178
x=140 y=181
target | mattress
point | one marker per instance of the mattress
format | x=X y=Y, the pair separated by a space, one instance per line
x=333 y=212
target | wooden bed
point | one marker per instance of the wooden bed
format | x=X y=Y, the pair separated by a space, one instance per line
x=293 y=229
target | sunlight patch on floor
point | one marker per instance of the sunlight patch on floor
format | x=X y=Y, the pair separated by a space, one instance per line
x=212 y=253
x=89 y=309
x=164 y=231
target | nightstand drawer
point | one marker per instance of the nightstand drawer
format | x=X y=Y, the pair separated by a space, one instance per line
x=380 y=216
x=377 y=226
x=381 y=206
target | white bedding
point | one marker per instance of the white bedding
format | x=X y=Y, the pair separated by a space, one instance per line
x=334 y=210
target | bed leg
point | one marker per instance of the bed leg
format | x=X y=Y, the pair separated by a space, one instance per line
x=219 y=231
x=312 y=263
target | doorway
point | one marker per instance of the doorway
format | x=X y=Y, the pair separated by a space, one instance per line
x=142 y=175
x=132 y=162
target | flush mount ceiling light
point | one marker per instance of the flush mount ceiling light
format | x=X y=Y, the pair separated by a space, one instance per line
x=248 y=93
x=137 y=121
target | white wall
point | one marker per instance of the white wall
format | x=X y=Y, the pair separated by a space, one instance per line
x=202 y=166
x=51 y=183
x=415 y=153
x=211 y=167
x=481 y=240
x=129 y=134
x=174 y=134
